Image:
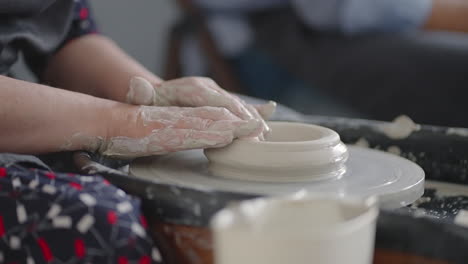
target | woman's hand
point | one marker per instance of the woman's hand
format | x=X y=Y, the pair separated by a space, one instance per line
x=112 y=70
x=151 y=130
x=196 y=92
x=70 y=121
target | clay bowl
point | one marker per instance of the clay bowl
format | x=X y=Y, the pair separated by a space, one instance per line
x=292 y=152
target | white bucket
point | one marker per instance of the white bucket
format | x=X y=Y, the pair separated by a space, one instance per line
x=315 y=229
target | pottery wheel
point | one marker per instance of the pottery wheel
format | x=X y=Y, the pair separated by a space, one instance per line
x=396 y=181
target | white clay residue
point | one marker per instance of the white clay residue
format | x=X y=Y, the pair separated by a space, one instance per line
x=362 y=142
x=201 y=118
x=462 y=218
x=400 y=128
x=394 y=150
x=457 y=131
x=162 y=141
x=83 y=141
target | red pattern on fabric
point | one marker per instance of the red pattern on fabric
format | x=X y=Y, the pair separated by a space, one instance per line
x=76 y=185
x=111 y=217
x=144 y=260
x=3 y=172
x=45 y=249
x=122 y=260
x=106 y=182
x=80 y=245
x=143 y=221
x=2 y=226
x=80 y=248
x=50 y=175
x=84 y=13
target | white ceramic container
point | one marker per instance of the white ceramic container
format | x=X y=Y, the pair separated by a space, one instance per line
x=313 y=229
x=292 y=152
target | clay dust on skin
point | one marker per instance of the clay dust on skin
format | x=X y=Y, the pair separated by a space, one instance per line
x=162 y=141
x=196 y=92
x=185 y=91
x=203 y=132
x=140 y=92
x=204 y=91
x=87 y=142
x=205 y=118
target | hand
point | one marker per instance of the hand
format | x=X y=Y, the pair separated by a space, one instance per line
x=196 y=92
x=149 y=130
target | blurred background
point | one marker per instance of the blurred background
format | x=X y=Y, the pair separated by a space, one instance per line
x=139 y=27
x=373 y=59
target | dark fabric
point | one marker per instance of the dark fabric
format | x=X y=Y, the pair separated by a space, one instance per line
x=48 y=217
x=39 y=28
x=420 y=74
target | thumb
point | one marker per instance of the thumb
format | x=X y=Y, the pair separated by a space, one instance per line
x=140 y=92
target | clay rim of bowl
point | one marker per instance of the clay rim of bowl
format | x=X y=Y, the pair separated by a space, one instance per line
x=326 y=138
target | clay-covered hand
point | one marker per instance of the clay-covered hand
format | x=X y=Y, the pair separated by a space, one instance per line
x=151 y=130
x=195 y=92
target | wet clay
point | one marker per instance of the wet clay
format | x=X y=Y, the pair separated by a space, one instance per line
x=170 y=129
x=400 y=128
x=83 y=141
x=181 y=129
x=303 y=152
x=197 y=92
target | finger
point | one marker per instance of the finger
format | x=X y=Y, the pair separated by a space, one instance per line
x=253 y=126
x=140 y=92
x=265 y=127
x=266 y=110
x=197 y=92
x=233 y=103
x=244 y=111
x=239 y=128
x=164 y=141
x=210 y=112
x=248 y=110
x=171 y=140
x=170 y=115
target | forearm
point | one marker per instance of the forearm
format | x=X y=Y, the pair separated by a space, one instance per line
x=94 y=65
x=39 y=119
x=448 y=15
